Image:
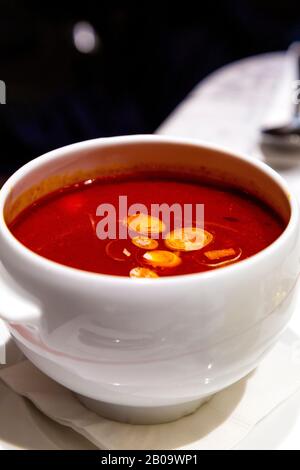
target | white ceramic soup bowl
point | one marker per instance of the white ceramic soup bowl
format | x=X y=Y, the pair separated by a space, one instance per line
x=148 y=350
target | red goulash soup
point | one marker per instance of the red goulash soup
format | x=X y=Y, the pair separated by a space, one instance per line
x=62 y=227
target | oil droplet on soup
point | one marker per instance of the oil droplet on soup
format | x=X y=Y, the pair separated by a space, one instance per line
x=188 y=239
x=62 y=227
x=162 y=259
x=145 y=224
x=117 y=250
x=145 y=243
x=139 y=273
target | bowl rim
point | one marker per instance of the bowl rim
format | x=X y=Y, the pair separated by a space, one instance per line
x=54 y=268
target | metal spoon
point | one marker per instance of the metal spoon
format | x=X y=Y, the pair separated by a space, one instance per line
x=288 y=134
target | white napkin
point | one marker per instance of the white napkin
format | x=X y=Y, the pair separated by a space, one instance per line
x=220 y=424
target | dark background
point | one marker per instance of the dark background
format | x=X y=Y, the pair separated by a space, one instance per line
x=150 y=55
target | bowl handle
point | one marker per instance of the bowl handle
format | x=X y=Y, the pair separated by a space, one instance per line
x=15 y=303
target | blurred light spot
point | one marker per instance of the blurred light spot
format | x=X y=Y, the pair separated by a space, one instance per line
x=85 y=37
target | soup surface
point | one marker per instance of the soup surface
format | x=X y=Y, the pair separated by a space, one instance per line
x=65 y=226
